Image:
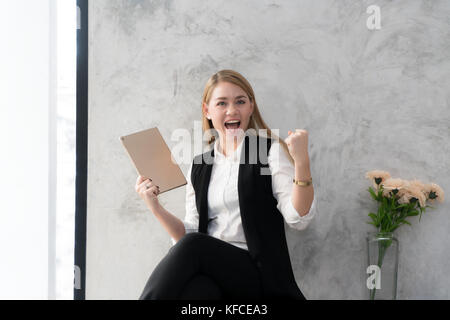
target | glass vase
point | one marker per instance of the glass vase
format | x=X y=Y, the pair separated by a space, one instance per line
x=382 y=269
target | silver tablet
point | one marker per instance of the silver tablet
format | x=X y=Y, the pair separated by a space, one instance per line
x=152 y=159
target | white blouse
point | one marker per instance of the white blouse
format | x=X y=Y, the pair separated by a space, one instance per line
x=223 y=198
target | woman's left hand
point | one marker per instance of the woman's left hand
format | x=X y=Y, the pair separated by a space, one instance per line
x=297 y=143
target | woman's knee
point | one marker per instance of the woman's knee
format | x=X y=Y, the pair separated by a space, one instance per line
x=192 y=240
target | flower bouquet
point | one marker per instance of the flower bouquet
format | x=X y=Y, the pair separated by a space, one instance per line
x=398 y=200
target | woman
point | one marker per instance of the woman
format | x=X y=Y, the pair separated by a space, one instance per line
x=232 y=243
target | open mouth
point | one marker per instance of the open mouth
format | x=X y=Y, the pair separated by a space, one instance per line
x=234 y=124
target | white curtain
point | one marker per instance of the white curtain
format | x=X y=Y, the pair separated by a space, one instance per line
x=28 y=149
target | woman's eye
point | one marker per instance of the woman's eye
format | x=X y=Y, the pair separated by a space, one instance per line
x=239 y=102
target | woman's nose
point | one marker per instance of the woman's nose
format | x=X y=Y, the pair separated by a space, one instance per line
x=231 y=109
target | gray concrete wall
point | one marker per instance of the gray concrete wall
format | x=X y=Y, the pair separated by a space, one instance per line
x=370 y=99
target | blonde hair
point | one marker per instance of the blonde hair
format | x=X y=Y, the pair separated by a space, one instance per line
x=256 y=121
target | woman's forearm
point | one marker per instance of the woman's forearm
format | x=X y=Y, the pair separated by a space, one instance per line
x=302 y=196
x=170 y=222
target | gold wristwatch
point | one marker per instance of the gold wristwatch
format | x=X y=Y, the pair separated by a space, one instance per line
x=302 y=183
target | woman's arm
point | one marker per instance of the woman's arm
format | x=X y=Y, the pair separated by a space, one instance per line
x=283 y=172
x=170 y=222
x=174 y=226
x=191 y=219
x=302 y=196
x=149 y=192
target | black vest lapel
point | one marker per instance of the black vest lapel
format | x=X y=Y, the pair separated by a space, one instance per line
x=246 y=192
x=201 y=174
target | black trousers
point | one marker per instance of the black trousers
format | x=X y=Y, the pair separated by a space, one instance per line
x=200 y=266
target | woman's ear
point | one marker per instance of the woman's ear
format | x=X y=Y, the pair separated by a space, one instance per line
x=205 y=110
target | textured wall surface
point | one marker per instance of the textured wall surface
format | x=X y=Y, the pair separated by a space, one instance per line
x=370 y=99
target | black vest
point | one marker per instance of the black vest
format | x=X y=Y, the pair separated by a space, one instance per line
x=262 y=222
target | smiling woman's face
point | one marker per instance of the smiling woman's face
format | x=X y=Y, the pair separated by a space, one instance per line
x=229 y=102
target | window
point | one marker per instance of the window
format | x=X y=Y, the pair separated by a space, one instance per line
x=37 y=125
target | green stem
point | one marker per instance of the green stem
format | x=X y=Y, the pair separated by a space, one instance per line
x=382 y=246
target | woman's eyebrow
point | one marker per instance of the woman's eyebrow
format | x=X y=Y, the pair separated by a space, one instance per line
x=225 y=98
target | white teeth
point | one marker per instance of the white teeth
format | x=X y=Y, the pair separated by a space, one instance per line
x=233 y=121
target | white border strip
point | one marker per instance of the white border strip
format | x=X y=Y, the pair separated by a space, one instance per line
x=52 y=151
